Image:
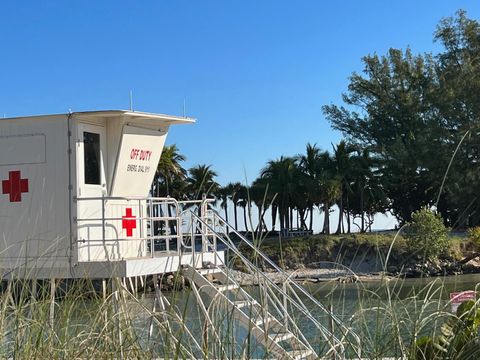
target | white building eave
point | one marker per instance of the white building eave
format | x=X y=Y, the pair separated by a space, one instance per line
x=128 y=115
x=135 y=115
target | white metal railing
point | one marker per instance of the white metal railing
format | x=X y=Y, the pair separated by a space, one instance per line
x=159 y=226
x=286 y=296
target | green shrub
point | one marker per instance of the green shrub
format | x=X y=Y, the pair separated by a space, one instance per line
x=426 y=234
x=474 y=236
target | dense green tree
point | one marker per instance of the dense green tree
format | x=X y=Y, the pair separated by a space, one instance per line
x=411 y=111
x=459 y=106
x=392 y=122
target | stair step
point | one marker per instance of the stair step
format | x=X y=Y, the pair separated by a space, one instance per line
x=282 y=336
x=209 y=271
x=264 y=320
x=300 y=354
x=227 y=287
x=242 y=303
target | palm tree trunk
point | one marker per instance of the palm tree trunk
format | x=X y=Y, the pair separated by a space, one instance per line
x=362 y=212
x=326 y=222
x=274 y=216
x=303 y=225
x=235 y=215
x=291 y=218
x=311 y=218
x=226 y=212
x=259 y=220
x=348 y=215
x=245 y=217
x=262 y=211
x=340 y=216
x=281 y=215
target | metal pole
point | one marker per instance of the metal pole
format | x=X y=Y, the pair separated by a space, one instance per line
x=103 y=228
x=192 y=241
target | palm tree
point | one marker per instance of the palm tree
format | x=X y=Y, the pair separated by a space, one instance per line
x=262 y=198
x=309 y=164
x=243 y=202
x=169 y=169
x=321 y=182
x=169 y=180
x=234 y=189
x=201 y=181
x=343 y=167
x=368 y=196
x=224 y=195
x=329 y=187
x=281 y=176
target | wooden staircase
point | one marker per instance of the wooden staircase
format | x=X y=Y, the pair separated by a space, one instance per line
x=217 y=287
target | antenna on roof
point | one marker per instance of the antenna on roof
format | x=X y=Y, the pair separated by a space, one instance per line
x=184 y=113
x=131 y=100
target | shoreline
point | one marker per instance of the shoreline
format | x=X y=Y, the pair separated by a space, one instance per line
x=312 y=275
x=345 y=276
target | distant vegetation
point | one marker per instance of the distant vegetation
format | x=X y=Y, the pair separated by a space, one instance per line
x=426 y=234
x=411 y=124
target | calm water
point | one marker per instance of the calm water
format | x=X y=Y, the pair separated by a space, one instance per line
x=376 y=311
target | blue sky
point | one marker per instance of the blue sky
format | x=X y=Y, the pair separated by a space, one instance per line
x=254 y=73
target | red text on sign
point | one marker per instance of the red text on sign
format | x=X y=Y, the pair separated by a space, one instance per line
x=139 y=154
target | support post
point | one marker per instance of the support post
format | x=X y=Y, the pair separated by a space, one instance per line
x=104 y=289
x=52 y=301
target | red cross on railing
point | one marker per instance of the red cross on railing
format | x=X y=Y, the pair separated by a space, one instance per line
x=15 y=186
x=128 y=222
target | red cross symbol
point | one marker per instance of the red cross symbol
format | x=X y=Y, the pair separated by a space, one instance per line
x=15 y=186
x=128 y=222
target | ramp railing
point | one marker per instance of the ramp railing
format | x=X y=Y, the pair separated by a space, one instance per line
x=284 y=298
x=112 y=228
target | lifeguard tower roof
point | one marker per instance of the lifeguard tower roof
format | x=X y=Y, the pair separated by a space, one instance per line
x=135 y=115
x=92 y=114
x=74 y=198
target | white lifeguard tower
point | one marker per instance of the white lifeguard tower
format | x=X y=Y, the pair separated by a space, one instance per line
x=74 y=200
x=75 y=203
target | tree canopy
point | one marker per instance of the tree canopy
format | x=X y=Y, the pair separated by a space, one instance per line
x=411 y=112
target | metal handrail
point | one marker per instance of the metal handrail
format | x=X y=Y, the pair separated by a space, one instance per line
x=328 y=336
x=282 y=272
x=143 y=219
x=275 y=305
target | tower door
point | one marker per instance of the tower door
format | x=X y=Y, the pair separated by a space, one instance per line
x=91 y=180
